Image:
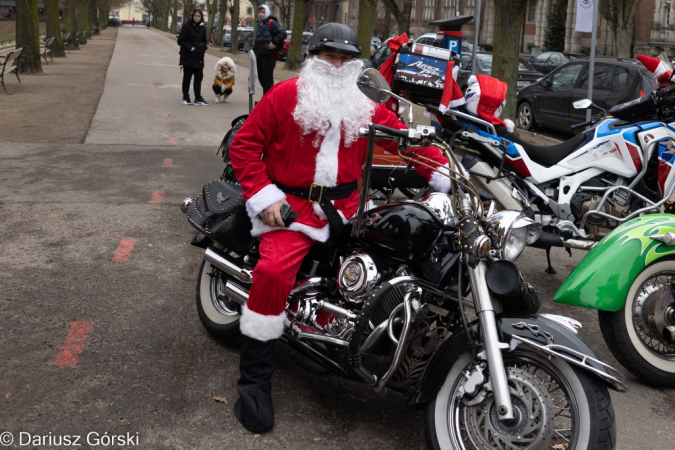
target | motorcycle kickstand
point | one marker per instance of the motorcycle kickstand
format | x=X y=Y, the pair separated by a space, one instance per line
x=550 y=268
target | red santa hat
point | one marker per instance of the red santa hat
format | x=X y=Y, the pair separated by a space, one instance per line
x=485 y=98
x=452 y=94
x=660 y=70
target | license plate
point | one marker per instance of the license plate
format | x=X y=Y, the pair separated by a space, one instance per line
x=523 y=83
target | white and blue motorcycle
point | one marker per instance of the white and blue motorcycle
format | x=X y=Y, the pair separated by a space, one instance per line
x=582 y=189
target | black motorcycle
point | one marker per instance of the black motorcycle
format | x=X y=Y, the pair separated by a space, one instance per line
x=422 y=297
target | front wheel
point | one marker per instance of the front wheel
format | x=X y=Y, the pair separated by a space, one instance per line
x=641 y=335
x=218 y=313
x=556 y=406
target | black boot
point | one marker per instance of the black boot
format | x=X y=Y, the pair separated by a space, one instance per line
x=256 y=365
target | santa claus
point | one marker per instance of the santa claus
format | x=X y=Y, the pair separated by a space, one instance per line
x=300 y=146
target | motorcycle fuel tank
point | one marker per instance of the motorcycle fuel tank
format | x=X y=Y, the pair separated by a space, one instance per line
x=405 y=231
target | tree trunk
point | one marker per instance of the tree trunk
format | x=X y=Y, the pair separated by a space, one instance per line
x=54 y=27
x=294 y=58
x=508 y=26
x=401 y=12
x=234 y=40
x=83 y=17
x=365 y=26
x=623 y=39
x=403 y=21
x=210 y=14
x=28 y=36
x=70 y=22
x=221 y=23
x=174 y=17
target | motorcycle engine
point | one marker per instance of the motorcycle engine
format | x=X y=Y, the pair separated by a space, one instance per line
x=357 y=277
x=617 y=205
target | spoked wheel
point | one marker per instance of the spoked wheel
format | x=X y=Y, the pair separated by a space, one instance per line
x=641 y=335
x=557 y=406
x=218 y=312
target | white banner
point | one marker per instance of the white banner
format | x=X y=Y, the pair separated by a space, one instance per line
x=584 y=21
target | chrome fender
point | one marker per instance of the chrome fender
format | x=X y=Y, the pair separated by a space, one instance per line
x=547 y=333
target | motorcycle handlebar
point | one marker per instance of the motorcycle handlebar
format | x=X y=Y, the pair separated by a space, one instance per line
x=593 y=120
x=391 y=131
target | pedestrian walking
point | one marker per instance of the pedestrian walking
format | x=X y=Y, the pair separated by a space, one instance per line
x=193 y=45
x=133 y=21
x=224 y=79
x=269 y=39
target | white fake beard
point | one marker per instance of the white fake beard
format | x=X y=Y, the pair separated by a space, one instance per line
x=329 y=95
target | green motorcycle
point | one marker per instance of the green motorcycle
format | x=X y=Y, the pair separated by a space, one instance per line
x=629 y=277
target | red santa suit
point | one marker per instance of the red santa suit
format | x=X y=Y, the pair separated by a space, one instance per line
x=270 y=148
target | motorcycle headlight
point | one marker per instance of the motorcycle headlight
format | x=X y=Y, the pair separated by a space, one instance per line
x=512 y=231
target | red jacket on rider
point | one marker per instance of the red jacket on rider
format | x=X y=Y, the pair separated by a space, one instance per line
x=270 y=148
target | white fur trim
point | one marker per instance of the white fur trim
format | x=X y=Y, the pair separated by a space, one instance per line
x=261 y=327
x=318 y=234
x=322 y=215
x=327 y=159
x=319 y=212
x=262 y=199
x=509 y=125
x=440 y=183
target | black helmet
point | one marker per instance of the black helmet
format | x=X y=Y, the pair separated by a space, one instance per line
x=335 y=36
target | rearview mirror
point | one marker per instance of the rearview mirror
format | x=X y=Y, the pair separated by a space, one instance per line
x=582 y=104
x=546 y=83
x=374 y=86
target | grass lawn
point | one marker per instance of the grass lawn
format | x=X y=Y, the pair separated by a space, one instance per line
x=8 y=31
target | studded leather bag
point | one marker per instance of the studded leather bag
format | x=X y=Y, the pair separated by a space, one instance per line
x=220 y=210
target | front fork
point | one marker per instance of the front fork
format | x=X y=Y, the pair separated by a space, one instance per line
x=493 y=347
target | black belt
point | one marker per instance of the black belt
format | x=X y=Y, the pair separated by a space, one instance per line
x=322 y=196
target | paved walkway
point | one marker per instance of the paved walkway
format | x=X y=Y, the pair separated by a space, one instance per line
x=141 y=102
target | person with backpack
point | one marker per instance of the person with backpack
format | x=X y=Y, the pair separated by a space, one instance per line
x=193 y=45
x=269 y=39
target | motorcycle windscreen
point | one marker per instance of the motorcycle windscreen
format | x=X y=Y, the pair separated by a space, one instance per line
x=663 y=57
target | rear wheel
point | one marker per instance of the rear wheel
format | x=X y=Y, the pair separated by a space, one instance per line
x=641 y=335
x=556 y=406
x=525 y=116
x=218 y=313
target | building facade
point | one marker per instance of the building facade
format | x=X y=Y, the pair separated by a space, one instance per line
x=654 y=28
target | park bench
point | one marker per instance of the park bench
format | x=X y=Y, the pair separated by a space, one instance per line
x=80 y=38
x=46 y=48
x=10 y=63
x=67 y=40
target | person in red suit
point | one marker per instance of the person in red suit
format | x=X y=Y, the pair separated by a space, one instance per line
x=300 y=143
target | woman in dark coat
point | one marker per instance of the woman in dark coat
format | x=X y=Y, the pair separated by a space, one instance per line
x=193 y=45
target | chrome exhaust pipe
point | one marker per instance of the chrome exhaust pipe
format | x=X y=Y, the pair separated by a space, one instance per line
x=579 y=244
x=337 y=311
x=228 y=267
x=306 y=335
x=236 y=293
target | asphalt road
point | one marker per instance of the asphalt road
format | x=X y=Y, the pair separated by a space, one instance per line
x=95 y=339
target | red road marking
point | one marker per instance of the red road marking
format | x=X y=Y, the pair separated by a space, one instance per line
x=168 y=162
x=173 y=140
x=156 y=197
x=75 y=340
x=124 y=249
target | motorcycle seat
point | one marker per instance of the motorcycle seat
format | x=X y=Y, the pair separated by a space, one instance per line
x=548 y=155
